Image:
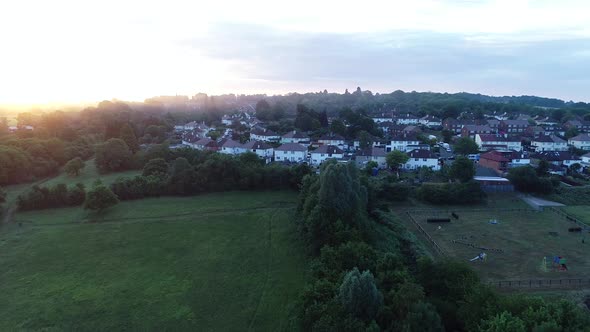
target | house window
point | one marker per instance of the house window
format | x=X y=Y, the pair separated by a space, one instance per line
x=424 y=159
x=416 y=159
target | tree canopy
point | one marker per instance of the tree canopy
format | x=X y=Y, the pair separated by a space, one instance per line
x=113 y=155
x=74 y=166
x=99 y=198
x=462 y=169
x=466 y=145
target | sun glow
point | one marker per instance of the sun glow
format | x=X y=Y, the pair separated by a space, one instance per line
x=74 y=51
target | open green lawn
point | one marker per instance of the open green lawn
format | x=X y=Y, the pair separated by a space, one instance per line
x=88 y=175
x=226 y=261
x=582 y=212
x=524 y=236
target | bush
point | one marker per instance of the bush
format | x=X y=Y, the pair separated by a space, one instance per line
x=100 y=198
x=525 y=179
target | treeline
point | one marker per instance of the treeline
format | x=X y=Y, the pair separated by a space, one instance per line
x=368 y=273
x=190 y=172
x=179 y=172
x=55 y=196
x=439 y=104
x=28 y=159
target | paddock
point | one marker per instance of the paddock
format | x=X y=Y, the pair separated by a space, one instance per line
x=515 y=241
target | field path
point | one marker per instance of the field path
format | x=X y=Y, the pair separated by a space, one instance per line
x=268 y=267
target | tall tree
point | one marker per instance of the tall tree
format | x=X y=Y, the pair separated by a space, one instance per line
x=74 y=166
x=128 y=135
x=263 y=110
x=395 y=159
x=113 y=155
x=462 y=169
x=359 y=295
x=466 y=145
x=338 y=127
x=157 y=167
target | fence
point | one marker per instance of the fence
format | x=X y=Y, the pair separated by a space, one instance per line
x=428 y=237
x=541 y=283
x=434 y=212
x=569 y=217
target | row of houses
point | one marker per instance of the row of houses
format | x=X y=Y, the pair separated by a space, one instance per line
x=428 y=121
x=559 y=161
x=298 y=153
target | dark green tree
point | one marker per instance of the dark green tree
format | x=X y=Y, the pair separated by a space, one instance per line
x=263 y=110
x=543 y=167
x=359 y=295
x=338 y=127
x=503 y=322
x=462 y=169
x=74 y=166
x=113 y=155
x=181 y=177
x=157 y=167
x=15 y=165
x=365 y=139
x=395 y=159
x=128 y=135
x=423 y=317
x=465 y=146
x=99 y=198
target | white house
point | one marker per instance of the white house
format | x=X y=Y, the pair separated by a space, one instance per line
x=266 y=135
x=403 y=142
x=206 y=144
x=430 y=121
x=291 y=152
x=586 y=159
x=295 y=137
x=420 y=158
x=581 y=141
x=406 y=119
x=333 y=139
x=497 y=142
x=261 y=149
x=559 y=158
x=228 y=120
x=518 y=159
x=375 y=154
x=549 y=143
x=325 y=152
x=232 y=147
x=383 y=117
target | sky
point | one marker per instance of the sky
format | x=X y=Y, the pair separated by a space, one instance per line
x=81 y=50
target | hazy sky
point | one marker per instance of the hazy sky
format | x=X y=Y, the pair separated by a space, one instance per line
x=69 y=51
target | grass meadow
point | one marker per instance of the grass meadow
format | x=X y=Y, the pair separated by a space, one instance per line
x=225 y=261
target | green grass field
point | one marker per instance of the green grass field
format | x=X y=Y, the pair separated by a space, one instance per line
x=582 y=212
x=524 y=236
x=88 y=175
x=226 y=261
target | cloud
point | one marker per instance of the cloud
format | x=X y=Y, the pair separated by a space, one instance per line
x=499 y=64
